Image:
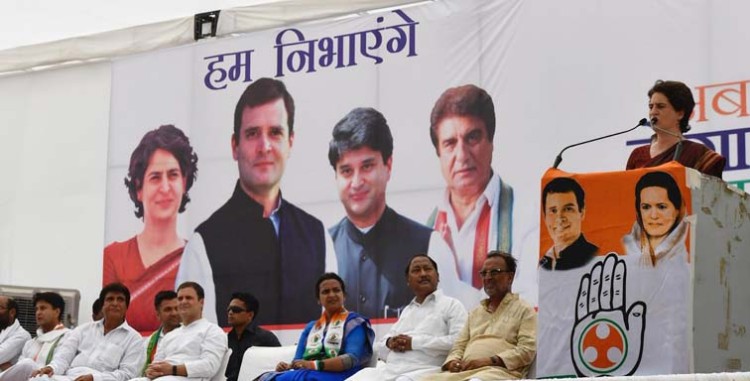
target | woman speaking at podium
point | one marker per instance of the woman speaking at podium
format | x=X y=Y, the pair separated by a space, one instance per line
x=670 y=105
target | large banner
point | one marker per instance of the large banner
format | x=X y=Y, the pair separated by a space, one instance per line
x=615 y=291
x=226 y=124
x=473 y=116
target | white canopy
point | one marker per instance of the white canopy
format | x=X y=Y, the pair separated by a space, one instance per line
x=85 y=30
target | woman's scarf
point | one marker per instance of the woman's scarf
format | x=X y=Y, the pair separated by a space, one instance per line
x=324 y=340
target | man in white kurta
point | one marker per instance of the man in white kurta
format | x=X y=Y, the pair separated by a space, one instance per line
x=12 y=335
x=420 y=340
x=50 y=334
x=196 y=349
x=104 y=350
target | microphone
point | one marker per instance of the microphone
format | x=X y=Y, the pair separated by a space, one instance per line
x=652 y=124
x=558 y=159
x=678 y=149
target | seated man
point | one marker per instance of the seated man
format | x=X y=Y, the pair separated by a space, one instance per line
x=96 y=310
x=103 y=350
x=167 y=312
x=498 y=341
x=419 y=342
x=50 y=334
x=12 y=335
x=196 y=349
x=245 y=333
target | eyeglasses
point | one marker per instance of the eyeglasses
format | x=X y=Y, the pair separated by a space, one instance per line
x=492 y=273
x=235 y=309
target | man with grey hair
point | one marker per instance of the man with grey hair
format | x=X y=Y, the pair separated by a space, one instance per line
x=498 y=341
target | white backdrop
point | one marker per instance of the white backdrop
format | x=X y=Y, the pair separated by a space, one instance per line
x=565 y=71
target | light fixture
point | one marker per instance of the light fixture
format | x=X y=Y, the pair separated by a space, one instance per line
x=205 y=25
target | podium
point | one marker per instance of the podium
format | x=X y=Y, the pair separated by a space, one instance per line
x=643 y=272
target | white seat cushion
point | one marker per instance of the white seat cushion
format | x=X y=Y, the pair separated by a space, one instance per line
x=258 y=360
x=223 y=369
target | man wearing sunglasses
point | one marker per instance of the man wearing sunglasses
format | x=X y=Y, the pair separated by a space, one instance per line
x=245 y=333
x=498 y=341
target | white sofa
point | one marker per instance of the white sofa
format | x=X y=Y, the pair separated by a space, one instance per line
x=220 y=376
x=258 y=360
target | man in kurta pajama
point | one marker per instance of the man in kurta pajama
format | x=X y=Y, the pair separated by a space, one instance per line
x=167 y=312
x=12 y=335
x=38 y=351
x=195 y=350
x=103 y=350
x=424 y=333
x=498 y=341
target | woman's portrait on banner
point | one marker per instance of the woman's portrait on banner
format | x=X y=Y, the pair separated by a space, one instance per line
x=660 y=229
x=163 y=168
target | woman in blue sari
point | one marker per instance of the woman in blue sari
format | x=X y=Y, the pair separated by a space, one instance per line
x=333 y=347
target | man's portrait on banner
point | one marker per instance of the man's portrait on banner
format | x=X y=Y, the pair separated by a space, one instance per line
x=564 y=208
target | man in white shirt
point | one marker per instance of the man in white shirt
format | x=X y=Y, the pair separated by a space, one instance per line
x=419 y=342
x=12 y=335
x=196 y=349
x=168 y=314
x=50 y=334
x=103 y=350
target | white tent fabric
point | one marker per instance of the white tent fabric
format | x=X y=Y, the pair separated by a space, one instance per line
x=179 y=31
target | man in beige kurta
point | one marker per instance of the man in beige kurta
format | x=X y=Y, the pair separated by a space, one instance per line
x=498 y=341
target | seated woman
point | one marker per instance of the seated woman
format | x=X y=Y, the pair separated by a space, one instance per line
x=660 y=229
x=670 y=105
x=335 y=346
x=162 y=169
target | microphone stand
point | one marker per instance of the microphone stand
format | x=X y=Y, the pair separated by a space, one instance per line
x=678 y=149
x=558 y=159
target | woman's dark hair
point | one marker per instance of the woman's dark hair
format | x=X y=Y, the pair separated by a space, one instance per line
x=168 y=138
x=661 y=180
x=679 y=96
x=325 y=277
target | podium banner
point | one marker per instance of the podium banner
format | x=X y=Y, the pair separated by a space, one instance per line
x=615 y=273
